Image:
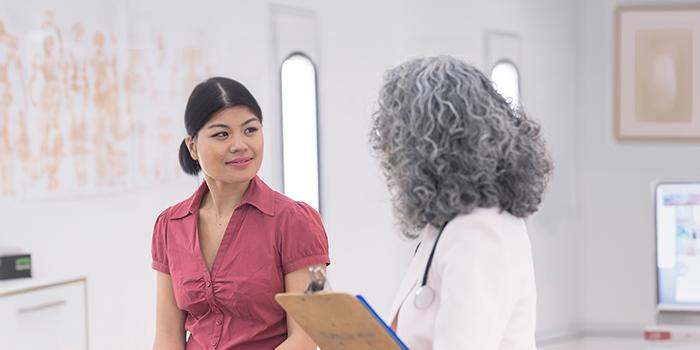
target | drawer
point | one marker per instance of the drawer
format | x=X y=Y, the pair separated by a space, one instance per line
x=45 y=318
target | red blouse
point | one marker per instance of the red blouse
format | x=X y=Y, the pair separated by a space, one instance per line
x=233 y=306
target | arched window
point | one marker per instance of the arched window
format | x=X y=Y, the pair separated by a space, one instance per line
x=506 y=78
x=299 y=129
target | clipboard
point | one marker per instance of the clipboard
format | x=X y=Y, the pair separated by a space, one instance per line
x=340 y=321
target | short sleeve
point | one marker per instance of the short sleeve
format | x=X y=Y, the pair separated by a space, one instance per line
x=303 y=240
x=159 y=253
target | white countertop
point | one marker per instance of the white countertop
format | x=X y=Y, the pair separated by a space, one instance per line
x=18 y=285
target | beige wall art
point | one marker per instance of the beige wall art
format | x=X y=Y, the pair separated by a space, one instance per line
x=657 y=73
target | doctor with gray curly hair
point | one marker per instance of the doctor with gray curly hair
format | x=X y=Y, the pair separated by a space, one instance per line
x=464 y=169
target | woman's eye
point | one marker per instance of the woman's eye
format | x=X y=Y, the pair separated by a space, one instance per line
x=249 y=131
x=220 y=134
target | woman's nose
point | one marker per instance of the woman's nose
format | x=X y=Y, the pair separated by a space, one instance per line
x=237 y=145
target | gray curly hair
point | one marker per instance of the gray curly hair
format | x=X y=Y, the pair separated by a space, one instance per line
x=448 y=143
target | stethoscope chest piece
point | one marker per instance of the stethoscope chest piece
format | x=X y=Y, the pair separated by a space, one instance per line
x=424 y=297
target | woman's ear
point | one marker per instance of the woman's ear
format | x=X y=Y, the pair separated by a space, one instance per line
x=191 y=146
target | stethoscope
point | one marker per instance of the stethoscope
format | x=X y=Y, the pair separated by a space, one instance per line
x=425 y=295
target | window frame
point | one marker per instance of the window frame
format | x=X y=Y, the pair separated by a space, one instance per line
x=308 y=58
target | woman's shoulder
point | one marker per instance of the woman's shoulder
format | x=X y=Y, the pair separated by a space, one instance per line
x=487 y=234
x=177 y=210
x=185 y=206
x=489 y=219
x=286 y=206
x=487 y=226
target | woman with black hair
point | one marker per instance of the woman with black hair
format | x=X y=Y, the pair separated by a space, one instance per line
x=223 y=253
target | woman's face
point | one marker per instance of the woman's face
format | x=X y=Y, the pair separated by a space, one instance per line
x=229 y=147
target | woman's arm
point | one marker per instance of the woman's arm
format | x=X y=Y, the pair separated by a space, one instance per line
x=297 y=339
x=170 y=321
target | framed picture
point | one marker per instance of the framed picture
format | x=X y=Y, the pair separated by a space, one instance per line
x=657 y=73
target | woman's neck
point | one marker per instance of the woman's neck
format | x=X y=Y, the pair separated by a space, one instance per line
x=223 y=198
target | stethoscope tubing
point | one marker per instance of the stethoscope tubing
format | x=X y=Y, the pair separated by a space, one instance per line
x=425 y=295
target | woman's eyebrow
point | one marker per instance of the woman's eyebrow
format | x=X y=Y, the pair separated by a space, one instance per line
x=249 y=121
x=218 y=126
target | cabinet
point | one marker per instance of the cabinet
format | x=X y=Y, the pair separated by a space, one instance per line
x=38 y=315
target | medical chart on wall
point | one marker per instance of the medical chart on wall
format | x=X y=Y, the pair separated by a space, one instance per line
x=90 y=104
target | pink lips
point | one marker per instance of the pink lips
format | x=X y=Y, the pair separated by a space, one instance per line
x=241 y=162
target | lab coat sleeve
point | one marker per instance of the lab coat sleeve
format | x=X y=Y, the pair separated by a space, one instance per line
x=476 y=292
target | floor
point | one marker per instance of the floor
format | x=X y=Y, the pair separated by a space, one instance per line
x=613 y=343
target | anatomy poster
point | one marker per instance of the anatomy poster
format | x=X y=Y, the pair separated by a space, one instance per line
x=89 y=104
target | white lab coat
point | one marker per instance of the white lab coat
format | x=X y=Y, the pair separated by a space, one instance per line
x=484 y=285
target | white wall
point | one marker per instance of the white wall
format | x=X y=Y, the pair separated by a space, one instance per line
x=615 y=186
x=368 y=255
x=357 y=42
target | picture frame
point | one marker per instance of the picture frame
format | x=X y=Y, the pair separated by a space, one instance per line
x=657 y=73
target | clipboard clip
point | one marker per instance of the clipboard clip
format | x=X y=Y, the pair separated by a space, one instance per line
x=318 y=281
